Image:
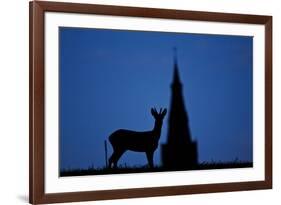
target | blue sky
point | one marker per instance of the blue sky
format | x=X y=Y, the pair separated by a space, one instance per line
x=109 y=79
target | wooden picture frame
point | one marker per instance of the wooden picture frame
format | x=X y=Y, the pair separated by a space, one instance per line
x=37 y=10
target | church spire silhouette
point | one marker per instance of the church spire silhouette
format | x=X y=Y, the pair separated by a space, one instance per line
x=179 y=151
x=176 y=70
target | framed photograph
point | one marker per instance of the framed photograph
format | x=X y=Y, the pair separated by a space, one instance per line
x=139 y=102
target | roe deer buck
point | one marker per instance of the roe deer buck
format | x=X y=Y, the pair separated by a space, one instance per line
x=123 y=140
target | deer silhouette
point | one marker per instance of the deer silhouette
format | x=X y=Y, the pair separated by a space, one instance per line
x=123 y=140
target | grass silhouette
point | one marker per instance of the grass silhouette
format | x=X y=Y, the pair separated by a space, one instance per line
x=124 y=169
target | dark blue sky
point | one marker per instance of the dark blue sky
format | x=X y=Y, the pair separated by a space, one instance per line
x=109 y=79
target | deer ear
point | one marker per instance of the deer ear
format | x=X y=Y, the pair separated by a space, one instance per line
x=164 y=112
x=152 y=112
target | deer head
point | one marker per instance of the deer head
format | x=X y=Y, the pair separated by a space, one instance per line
x=158 y=118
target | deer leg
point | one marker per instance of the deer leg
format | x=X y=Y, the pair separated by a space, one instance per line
x=149 y=156
x=119 y=153
x=111 y=159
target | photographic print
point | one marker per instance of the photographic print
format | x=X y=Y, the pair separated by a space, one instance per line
x=145 y=101
x=130 y=102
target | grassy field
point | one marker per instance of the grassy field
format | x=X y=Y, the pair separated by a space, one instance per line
x=124 y=169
